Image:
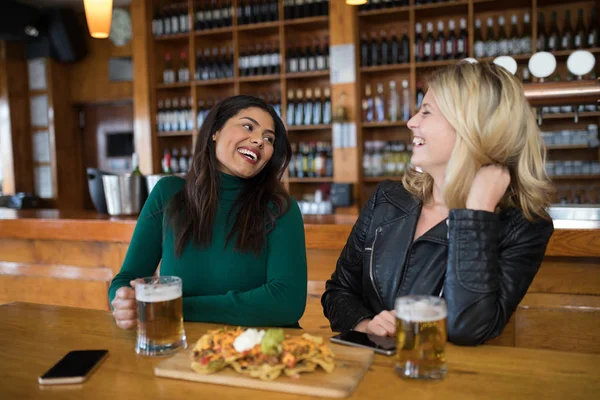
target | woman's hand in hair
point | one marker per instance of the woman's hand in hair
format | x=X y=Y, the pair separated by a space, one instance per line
x=488 y=187
x=383 y=324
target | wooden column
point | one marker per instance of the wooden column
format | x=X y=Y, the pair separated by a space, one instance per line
x=143 y=105
x=15 y=138
x=343 y=27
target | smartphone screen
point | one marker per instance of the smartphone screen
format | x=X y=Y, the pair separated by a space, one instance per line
x=74 y=367
x=381 y=344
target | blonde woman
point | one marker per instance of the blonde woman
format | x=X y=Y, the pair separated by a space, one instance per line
x=470 y=224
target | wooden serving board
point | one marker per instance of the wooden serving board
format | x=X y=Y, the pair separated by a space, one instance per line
x=351 y=365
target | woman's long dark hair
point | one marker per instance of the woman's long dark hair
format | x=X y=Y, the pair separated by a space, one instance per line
x=261 y=201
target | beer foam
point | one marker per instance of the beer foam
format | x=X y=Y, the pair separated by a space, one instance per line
x=421 y=311
x=158 y=293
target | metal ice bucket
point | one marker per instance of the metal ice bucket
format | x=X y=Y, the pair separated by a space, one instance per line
x=125 y=194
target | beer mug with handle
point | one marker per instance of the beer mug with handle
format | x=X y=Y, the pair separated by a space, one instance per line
x=160 y=315
x=421 y=335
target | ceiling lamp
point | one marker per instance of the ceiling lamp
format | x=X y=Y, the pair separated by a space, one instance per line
x=356 y=2
x=98 y=14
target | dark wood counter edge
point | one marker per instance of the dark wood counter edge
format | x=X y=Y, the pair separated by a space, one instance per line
x=328 y=232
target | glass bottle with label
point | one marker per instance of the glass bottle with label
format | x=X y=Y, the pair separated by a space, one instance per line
x=317 y=108
x=327 y=106
x=419 y=43
x=514 y=42
x=526 y=36
x=451 y=42
x=439 y=47
x=393 y=102
x=405 y=101
x=380 y=104
x=554 y=35
x=291 y=108
x=503 y=43
x=463 y=40
x=479 y=45
x=308 y=108
x=567 y=41
x=491 y=44
x=429 y=55
x=299 y=115
x=593 y=30
x=579 y=39
x=368 y=110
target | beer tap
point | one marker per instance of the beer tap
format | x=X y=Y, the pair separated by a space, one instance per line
x=542 y=65
x=507 y=63
x=580 y=63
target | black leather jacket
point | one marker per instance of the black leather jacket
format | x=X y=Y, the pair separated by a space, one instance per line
x=481 y=262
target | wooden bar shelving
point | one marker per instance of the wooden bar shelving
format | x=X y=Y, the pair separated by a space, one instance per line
x=215 y=82
x=308 y=128
x=311 y=180
x=306 y=21
x=175 y=133
x=585 y=114
x=384 y=124
x=312 y=74
x=213 y=32
x=385 y=68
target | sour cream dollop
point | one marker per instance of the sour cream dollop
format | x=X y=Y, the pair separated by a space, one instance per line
x=247 y=340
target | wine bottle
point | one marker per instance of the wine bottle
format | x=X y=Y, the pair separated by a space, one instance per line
x=364 y=50
x=291 y=108
x=514 y=43
x=592 y=41
x=567 y=42
x=451 y=50
x=308 y=108
x=526 y=36
x=554 y=35
x=462 y=41
x=419 y=43
x=503 y=43
x=479 y=45
x=491 y=45
x=439 y=48
x=375 y=60
x=429 y=55
x=384 y=47
x=327 y=106
x=393 y=102
x=580 y=35
x=379 y=104
x=317 y=108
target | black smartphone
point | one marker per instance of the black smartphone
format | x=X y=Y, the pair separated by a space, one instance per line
x=380 y=344
x=75 y=367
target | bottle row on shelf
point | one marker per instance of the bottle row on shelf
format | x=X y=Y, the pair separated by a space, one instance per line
x=174 y=162
x=174 y=115
x=259 y=59
x=255 y=11
x=442 y=46
x=502 y=44
x=384 y=51
x=294 y=9
x=378 y=108
x=572 y=168
x=379 y=4
x=311 y=160
x=578 y=38
x=382 y=158
x=578 y=194
x=214 y=64
x=582 y=137
x=170 y=19
x=317 y=203
x=308 y=58
x=308 y=107
x=204 y=106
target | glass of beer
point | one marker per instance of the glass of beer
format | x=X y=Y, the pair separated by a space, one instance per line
x=421 y=335
x=160 y=316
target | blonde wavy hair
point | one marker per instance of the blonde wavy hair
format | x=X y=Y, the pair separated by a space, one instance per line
x=494 y=124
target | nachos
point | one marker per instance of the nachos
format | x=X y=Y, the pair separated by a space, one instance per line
x=260 y=354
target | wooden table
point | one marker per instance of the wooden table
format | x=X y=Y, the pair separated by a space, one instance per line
x=33 y=337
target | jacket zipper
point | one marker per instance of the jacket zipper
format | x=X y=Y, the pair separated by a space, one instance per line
x=377 y=231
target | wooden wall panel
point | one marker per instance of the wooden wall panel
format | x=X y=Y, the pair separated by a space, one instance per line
x=559 y=322
x=568 y=276
x=574 y=243
x=91 y=73
x=313 y=318
x=321 y=263
x=54 y=291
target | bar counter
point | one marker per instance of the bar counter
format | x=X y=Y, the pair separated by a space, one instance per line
x=69 y=258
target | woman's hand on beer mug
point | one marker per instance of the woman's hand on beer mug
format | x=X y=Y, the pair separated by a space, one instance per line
x=125 y=307
x=383 y=324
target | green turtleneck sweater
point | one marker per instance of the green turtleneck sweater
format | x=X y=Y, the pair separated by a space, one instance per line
x=220 y=284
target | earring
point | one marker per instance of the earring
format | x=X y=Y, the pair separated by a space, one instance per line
x=214 y=138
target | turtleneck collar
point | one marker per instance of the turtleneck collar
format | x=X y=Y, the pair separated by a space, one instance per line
x=230 y=186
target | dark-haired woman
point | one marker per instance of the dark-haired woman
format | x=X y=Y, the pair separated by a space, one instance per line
x=229 y=230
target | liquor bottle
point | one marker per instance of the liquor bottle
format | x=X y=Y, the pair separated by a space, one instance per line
x=385 y=49
x=300 y=12
x=299 y=112
x=190 y=116
x=175 y=111
x=312 y=56
x=514 y=43
x=554 y=35
x=310 y=163
x=166 y=162
x=160 y=116
x=184 y=165
x=321 y=57
x=183 y=74
x=182 y=117
x=174 y=20
x=393 y=103
x=526 y=36
x=308 y=108
x=419 y=43
x=579 y=39
x=329 y=161
x=526 y=76
x=405 y=101
x=317 y=108
x=567 y=42
x=166 y=117
x=327 y=106
x=478 y=45
x=168 y=72
x=428 y=53
x=503 y=46
x=291 y=108
x=199 y=23
x=206 y=71
x=364 y=50
x=157 y=23
x=451 y=49
x=213 y=64
x=542 y=38
x=166 y=17
x=273 y=11
x=462 y=41
x=367 y=105
x=326 y=52
x=276 y=58
x=491 y=45
x=379 y=104
x=592 y=41
x=420 y=94
x=294 y=58
x=292 y=164
x=174 y=161
x=257 y=68
x=375 y=60
x=439 y=47
x=183 y=18
x=302 y=59
x=288 y=6
x=319 y=161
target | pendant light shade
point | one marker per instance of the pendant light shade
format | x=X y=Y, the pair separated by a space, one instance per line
x=356 y=2
x=98 y=14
